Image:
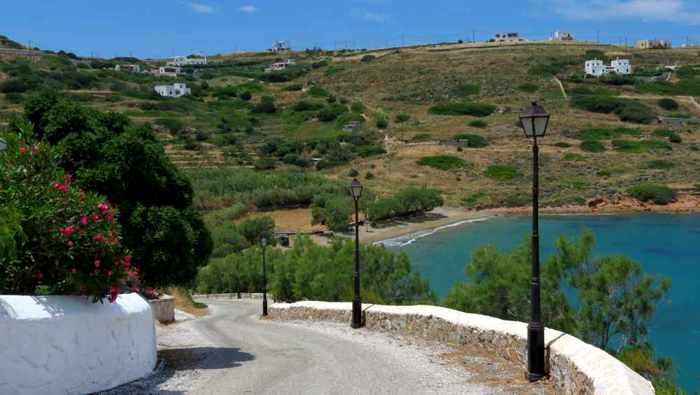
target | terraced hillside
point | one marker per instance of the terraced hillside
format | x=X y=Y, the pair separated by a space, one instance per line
x=438 y=116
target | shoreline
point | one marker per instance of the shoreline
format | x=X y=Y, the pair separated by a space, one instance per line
x=444 y=217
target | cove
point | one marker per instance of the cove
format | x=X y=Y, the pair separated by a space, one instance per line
x=664 y=244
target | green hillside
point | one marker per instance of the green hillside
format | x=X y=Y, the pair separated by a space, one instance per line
x=386 y=113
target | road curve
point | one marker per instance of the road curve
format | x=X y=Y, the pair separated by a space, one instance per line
x=313 y=358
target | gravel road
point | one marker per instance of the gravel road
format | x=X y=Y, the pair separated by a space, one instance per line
x=233 y=351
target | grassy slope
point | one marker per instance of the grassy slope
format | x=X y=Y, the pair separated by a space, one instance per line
x=410 y=81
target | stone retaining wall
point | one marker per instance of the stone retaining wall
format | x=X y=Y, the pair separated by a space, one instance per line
x=576 y=367
x=243 y=295
x=163 y=309
x=68 y=345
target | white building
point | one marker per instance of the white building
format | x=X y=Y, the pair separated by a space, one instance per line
x=280 y=46
x=653 y=44
x=598 y=68
x=168 y=71
x=186 y=61
x=279 y=66
x=174 y=90
x=562 y=36
x=129 y=68
x=507 y=38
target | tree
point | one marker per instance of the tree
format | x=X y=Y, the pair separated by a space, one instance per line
x=107 y=154
x=333 y=211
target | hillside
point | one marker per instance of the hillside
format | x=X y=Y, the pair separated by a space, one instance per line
x=5 y=42
x=604 y=137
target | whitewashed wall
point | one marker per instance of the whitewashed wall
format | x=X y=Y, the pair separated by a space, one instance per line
x=68 y=345
x=575 y=366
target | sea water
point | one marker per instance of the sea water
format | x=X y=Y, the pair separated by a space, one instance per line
x=665 y=245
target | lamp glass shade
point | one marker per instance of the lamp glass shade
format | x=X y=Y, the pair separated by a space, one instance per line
x=356 y=189
x=534 y=121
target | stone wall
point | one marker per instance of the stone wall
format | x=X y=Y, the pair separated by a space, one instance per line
x=576 y=367
x=68 y=345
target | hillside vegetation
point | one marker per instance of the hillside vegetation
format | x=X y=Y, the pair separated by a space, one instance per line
x=360 y=113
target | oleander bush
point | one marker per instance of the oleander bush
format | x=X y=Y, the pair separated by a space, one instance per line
x=55 y=237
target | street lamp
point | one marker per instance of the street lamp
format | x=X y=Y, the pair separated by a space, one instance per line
x=263 y=243
x=534 y=122
x=356 y=193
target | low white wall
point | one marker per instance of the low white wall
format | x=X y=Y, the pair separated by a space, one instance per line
x=68 y=345
x=576 y=367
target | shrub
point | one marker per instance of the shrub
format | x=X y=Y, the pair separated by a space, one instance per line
x=264 y=164
x=265 y=106
x=382 y=122
x=55 y=236
x=607 y=133
x=443 y=162
x=658 y=194
x=660 y=164
x=402 y=117
x=472 y=140
x=333 y=211
x=358 y=108
x=295 y=159
x=293 y=87
x=464 y=108
x=502 y=172
x=528 y=88
x=306 y=105
x=672 y=136
x=466 y=90
x=353 y=173
x=572 y=157
x=640 y=146
x=592 y=146
x=369 y=176
x=668 y=104
x=368 y=58
x=246 y=96
x=422 y=137
x=409 y=201
x=478 y=123
x=317 y=91
x=562 y=144
x=331 y=112
x=627 y=110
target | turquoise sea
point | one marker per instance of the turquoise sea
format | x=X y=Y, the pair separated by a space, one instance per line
x=665 y=245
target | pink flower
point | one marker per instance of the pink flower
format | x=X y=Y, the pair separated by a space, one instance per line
x=109 y=273
x=67 y=231
x=74 y=270
x=132 y=274
x=127 y=261
x=61 y=187
x=110 y=218
x=39 y=276
x=113 y=294
x=97 y=263
x=22 y=150
x=84 y=220
x=95 y=217
x=99 y=237
x=103 y=207
x=70 y=244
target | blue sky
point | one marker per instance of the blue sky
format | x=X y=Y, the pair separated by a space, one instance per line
x=161 y=28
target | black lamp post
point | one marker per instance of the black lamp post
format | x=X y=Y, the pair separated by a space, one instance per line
x=356 y=192
x=263 y=243
x=534 y=122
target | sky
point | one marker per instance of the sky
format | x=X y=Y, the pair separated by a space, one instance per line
x=164 y=28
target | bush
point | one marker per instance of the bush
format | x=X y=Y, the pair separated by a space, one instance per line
x=660 y=164
x=402 y=117
x=331 y=112
x=264 y=164
x=333 y=211
x=627 y=110
x=317 y=91
x=353 y=173
x=502 y=172
x=443 y=162
x=478 y=123
x=265 y=106
x=672 y=136
x=409 y=201
x=246 y=96
x=306 y=105
x=668 y=104
x=382 y=122
x=607 y=133
x=658 y=194
x=368 y=58
x=572 y=157
x=592 y=146
x=422 y=137
x=55 y=237
x=128 y=165
x=295 y=159
x=472 y=140
x=466 y=90
x=358 y=108
x=640 y=146
x=464 y=108
x=528 y=88
x=562 y=144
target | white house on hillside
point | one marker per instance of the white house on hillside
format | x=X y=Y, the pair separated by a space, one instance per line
x=280 y=46
x=169 y=71
x=187 y=61
x=598 y=68
x=507 y=38
x=130 y=68
x=279 y=66
x=562 y=36
x=174 y=90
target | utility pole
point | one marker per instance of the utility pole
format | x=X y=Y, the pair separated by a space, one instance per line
x=473 y=36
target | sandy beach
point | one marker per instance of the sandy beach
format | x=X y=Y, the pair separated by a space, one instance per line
x=444 y=216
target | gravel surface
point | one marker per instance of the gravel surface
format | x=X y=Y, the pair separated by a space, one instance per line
x=232 y=351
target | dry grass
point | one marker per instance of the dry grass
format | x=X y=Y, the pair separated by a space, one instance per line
x=184 y=302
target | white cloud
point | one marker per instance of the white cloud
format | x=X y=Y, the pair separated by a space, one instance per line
x=201 y=8
x=370 y=16
x=248 y=9
x=674 y=11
